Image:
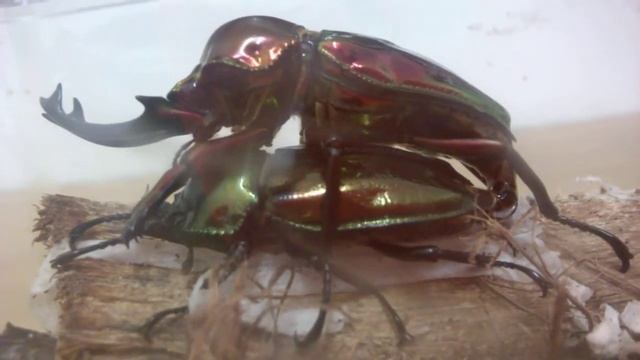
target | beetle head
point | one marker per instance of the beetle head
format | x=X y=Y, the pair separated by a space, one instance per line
x=247 y=75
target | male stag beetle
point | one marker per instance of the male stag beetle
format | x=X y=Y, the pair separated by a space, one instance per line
x=360 y=100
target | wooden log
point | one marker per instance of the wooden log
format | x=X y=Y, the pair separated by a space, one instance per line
x=102 y=303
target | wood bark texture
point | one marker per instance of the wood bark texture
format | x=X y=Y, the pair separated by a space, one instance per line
x=103 y=303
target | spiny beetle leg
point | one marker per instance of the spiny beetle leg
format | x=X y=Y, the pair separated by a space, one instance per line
x=236 y=257
x=79 y=230
x=72 y=254
x=171 y=180
x=434 y=253
x=181 y=151
x=549 y=210
x=329 y=229
x=316 y=329
x=490 y=148
x=150 y=324
x=154 y=227
x=302 y=251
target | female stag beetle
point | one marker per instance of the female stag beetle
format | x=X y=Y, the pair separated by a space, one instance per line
x=358 y=98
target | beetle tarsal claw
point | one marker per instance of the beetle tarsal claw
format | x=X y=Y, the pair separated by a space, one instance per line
x=619 y=247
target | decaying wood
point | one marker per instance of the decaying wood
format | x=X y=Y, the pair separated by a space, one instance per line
x=103 y=303
x=24 y=344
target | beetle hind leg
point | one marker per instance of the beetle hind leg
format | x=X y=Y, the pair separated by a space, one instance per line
x=481 y=148
x=434 y=253
x=549 y=210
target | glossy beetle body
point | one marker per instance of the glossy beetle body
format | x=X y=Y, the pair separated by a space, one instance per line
x=223 y=193
x=376 y=194
x=376 y=123
x=256 y=72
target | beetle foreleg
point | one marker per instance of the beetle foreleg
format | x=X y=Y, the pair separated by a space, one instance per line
x=181 y=151
x=171 y=181
x=155 y=228
x=79 y=230
x=434 y=253
x=72 y=254
x=549 y=210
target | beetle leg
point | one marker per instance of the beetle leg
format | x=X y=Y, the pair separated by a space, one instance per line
x=156 y=318
x=155 y=228
x=300 y=250
x=72 y=254
x=171 y=181
x=490 y=148
x=237 y=256
x=80 y=229
x=549 y=210
x=181 y=150
x=316 y=329
x=329 y=229
x=188 y=165
x=434 y=253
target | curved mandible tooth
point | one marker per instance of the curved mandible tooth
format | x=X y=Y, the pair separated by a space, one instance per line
x=77 y=113
x=146 y=100
x=53 y=104
x=54 y=111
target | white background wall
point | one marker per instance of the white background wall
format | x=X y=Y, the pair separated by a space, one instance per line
x=545 y=61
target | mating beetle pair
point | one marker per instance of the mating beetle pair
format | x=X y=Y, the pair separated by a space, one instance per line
x=376 y=123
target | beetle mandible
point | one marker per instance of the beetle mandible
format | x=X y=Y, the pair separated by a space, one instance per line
x=355 y=95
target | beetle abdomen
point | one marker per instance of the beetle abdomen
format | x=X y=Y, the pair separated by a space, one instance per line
x=374 y=191
x=369 y=202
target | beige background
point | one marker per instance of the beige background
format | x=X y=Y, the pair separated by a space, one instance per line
x=607 y=148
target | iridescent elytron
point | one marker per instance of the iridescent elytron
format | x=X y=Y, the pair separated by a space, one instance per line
x=378 y=123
